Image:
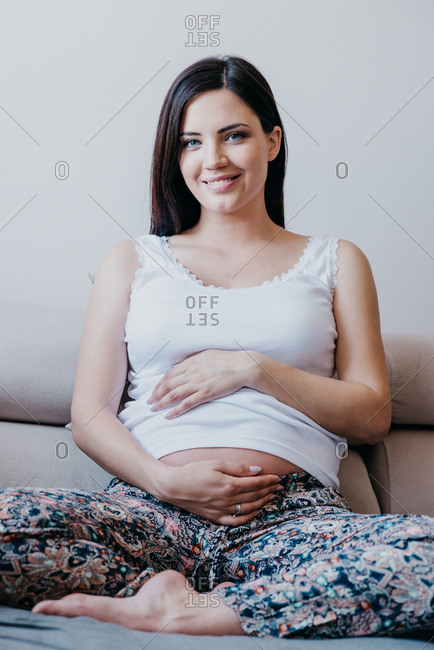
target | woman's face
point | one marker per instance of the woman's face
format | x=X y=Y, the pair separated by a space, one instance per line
x=222 y=137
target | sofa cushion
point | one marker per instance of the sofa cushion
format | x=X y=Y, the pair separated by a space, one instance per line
x=44 y=456
x=355 y=486
x=410 y=363
x=39 y=351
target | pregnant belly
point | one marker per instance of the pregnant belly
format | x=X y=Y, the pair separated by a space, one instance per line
x=269 y=463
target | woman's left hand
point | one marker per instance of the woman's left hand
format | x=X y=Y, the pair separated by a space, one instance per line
x=201 y=378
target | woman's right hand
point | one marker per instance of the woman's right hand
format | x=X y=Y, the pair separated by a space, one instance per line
x=211 y=489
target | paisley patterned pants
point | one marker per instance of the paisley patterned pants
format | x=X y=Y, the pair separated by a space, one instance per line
x=305 y=566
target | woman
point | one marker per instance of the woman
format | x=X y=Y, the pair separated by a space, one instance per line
x=225 y=517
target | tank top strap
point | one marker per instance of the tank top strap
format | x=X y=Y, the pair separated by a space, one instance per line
x=150 y=252
x=322 y=260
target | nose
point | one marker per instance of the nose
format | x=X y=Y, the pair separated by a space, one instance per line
x=214 y=156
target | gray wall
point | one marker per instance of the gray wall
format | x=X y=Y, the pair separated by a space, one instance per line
x=83 y=82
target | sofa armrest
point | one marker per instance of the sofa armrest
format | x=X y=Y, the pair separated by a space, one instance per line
x=401 y=470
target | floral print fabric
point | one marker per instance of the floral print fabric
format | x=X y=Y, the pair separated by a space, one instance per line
x=305 y=566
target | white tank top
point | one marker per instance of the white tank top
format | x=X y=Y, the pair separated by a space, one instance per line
x=173 y=315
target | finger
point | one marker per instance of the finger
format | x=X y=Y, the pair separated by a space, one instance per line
x=249 y=510
x=255 y=495
x=171 y=398
x=230 y=520
x=160 y=383
x=256 y=483
x=165 y=384
x=252 y=478
x=187 y=404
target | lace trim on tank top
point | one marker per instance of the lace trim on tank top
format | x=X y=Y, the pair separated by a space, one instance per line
x=297 y=268
x=139 y=271
x=146 y=259
x=333 y=264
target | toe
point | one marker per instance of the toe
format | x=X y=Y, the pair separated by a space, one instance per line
x=42 y=607
x=70 y=606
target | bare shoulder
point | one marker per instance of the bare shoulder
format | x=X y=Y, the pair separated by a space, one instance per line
x=353 y=269
x=119 y=265
x=355 y=286
x=350 y=256
x=110 y=299
x=124 y=253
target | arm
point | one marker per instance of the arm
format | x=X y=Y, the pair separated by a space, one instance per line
x=100 y=379
x=357 y=405
x=101 y=375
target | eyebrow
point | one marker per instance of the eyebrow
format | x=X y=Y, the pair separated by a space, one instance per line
x=225 y=128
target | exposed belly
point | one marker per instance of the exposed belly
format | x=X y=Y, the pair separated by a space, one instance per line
x=270 y=464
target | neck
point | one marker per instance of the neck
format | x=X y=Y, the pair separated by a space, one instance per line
x=236 y=229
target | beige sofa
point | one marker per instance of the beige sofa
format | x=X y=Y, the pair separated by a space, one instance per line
x=38 y=354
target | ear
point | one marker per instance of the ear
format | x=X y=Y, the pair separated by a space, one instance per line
x=274 y=141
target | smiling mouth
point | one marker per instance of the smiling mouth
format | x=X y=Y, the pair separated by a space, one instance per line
x=222 y=182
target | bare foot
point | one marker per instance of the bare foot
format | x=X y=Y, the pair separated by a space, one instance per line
x=165 y=603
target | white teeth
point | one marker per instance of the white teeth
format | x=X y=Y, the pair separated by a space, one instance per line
x=225 y=180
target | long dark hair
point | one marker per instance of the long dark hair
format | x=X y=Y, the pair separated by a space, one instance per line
x=173 y=207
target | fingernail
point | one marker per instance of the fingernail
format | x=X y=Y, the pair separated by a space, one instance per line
x=255 y=468
x=279 y=488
